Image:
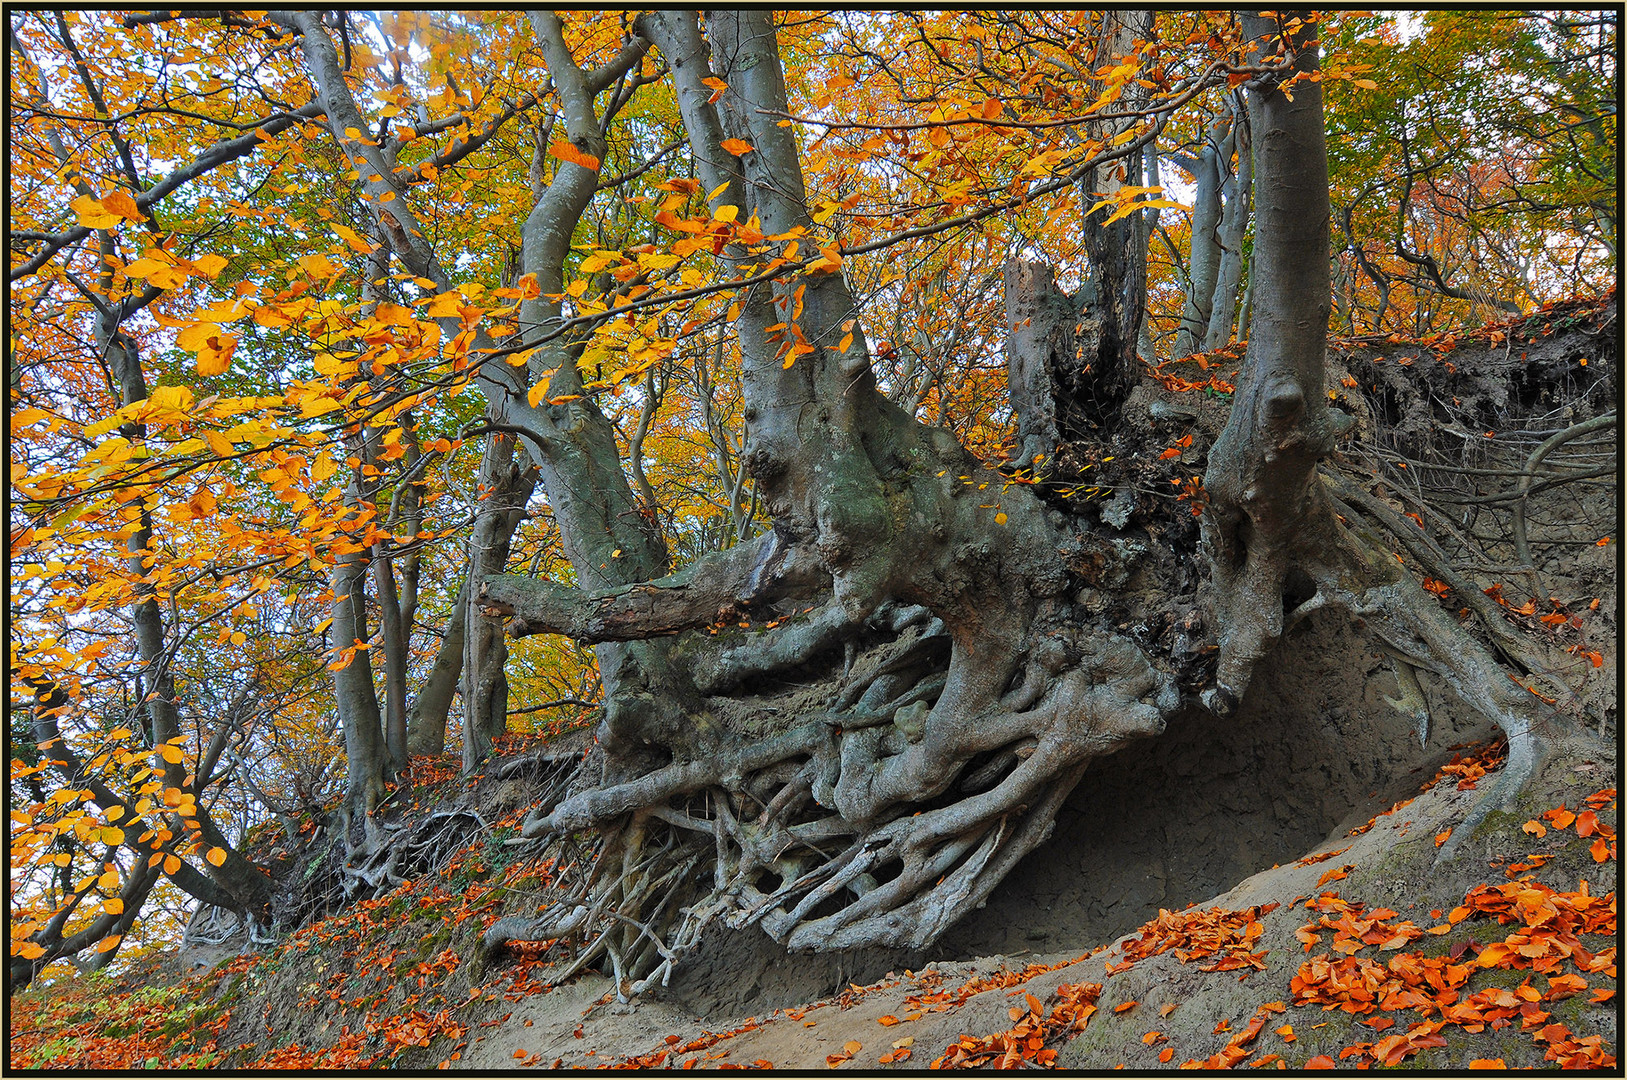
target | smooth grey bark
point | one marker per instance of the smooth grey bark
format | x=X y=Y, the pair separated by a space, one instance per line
x=1237 y=191
x=1261 y=468
x=1204 y=262
x=1220 y=219
x=504 y=486
x=355 y=698
x=426 y=720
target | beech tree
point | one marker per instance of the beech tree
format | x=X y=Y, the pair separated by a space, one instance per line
x=846 y=708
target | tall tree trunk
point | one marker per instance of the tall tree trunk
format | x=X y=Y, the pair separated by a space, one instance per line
x=1263 y=502
x=426 y=721
x=504 y=487
x=1238 y=193
x=1209 y=166
x=367 y=763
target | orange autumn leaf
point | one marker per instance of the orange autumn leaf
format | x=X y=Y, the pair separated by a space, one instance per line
x=1125 y=1006
x=1601 y=850
x=737 y=147
x=1166 y=1053
x=1335 y=874
x=887 y=1021
x=120 y=203
x=564 y=151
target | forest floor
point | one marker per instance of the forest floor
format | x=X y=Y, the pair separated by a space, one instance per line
x=1362 y=951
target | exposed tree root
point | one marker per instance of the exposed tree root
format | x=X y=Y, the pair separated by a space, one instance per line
x=880 y=750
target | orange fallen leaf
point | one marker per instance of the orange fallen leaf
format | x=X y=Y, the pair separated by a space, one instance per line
x=1440 y=838
x=1153 y=1036
x=1601 y=996
x=1560 y=817
x=1337 y=874
x=1166 y=1053
x=1165 y=1010
x=1125 y=1006
x=887 y=1021
x=1320 y=1061
x=853 y=1046
x=1488 y=1063
x=1535 y=828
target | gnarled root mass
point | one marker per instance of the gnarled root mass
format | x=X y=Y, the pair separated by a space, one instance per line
x=871 y=771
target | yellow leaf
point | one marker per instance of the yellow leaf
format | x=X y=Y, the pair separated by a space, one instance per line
x=171 y=754
x=28 y=950
x=446 y=305
x=537 y=393
x=1000 y=518
x=92 y=214
x=112 y=835
x=356 y=242
x=219 y=444
x=211 y=265
x=726 y=212
x=113 y=906
x=120 y=203
x=216 y=856
x=217 y=357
